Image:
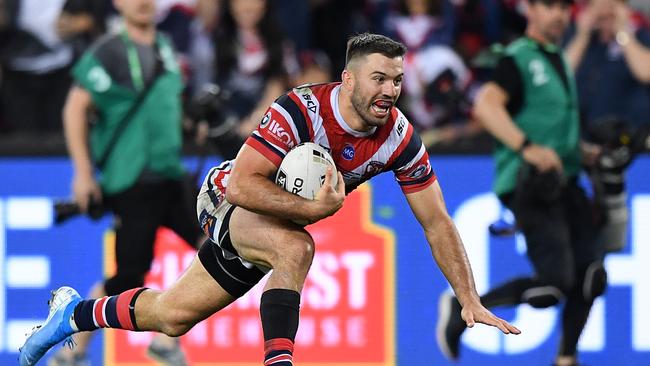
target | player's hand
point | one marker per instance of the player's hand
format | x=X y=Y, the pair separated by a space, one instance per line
x=543 y=158
x=329 y=199
x=84 y=186
x=473 y=313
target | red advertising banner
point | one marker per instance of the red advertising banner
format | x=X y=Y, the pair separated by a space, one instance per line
x=347 y=312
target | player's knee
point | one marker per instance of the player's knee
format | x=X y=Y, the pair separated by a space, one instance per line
x=299 y=252
x=173 y=319
x=175 y=322
x=175 y=329
x=542 y=296
x=595 y=281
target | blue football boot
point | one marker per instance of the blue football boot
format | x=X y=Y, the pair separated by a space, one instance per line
x=55 y=329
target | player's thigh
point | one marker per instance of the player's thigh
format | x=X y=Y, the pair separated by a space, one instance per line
x=194 y=296
x=267 y=240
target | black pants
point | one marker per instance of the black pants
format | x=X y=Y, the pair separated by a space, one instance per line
x=561 y=242
x=560 y=235
x=139 y=212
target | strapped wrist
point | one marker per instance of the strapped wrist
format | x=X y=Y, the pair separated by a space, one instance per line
x=524 y=145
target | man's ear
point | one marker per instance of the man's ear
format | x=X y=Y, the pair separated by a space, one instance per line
x=347 y=79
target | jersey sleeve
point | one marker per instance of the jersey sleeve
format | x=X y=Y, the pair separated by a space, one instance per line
x=281 y=129
x=412 y=167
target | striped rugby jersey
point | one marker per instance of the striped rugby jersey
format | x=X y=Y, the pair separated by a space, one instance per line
x=311 y=114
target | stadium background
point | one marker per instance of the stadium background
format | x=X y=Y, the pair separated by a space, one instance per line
x=371 y=298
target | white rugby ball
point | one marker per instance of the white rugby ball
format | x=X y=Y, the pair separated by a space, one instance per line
x=302 y=170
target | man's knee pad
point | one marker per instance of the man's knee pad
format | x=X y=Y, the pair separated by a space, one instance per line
x=595 y=281
x=122 y=282
x=542 y=296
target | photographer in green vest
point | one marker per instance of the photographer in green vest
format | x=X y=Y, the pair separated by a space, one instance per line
x=531 y=109
x=131 y=82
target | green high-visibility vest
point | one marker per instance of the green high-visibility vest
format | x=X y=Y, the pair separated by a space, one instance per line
x=152 y=139
x=548 y=115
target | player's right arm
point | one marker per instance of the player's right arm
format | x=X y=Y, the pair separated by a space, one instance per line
x=251 y=186
x=448 y=250
x=75 y=125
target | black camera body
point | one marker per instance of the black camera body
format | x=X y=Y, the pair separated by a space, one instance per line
x=216 y=106
x=210 y=104
x=65 y=210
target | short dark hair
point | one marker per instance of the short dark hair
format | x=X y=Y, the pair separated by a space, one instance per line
x=366 y=43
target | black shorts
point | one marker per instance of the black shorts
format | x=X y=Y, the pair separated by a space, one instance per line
x=236 y=275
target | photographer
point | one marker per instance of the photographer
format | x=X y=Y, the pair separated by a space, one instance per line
x=133 y=84
x=530 y=107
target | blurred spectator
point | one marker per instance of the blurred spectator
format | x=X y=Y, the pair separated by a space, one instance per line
x=313 y=67
x=435 y=77
x=294 y=19
x=333 y=22
x=8 y=15
x=37 y=57
x=163 y=7
x=201 y=47
x=175 y=21
x=485 y=22
x=249 y=64
x=81 y=22
x=642 y=6
x=610 y=51
x=422 y=23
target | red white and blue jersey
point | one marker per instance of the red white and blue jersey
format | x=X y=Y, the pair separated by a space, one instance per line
x=311 y=114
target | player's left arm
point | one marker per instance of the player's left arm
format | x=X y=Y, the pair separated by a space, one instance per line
x=429 y=208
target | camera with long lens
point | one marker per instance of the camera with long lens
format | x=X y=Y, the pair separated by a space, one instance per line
x=620 y=143
x=214 y=105
x=64 y=210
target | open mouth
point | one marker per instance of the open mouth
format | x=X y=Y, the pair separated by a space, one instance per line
x=381 y=107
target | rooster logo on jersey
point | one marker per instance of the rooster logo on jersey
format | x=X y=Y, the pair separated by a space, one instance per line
x=373 y=168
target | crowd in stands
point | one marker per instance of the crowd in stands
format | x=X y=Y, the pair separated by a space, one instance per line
x=253 y=50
